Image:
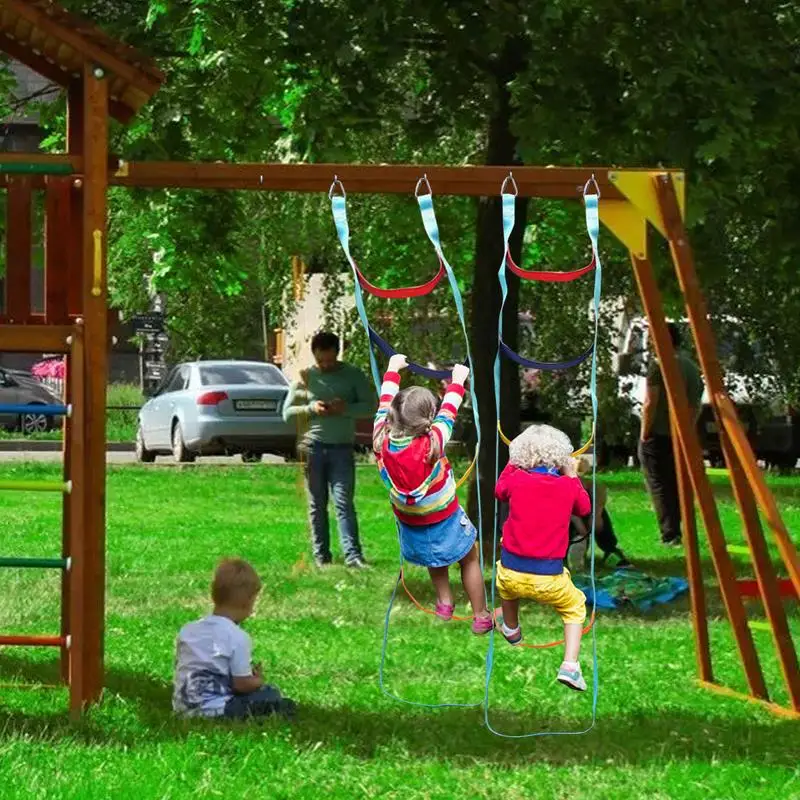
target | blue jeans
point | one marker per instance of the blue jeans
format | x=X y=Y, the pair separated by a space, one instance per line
x=261 y=703
x=334 y=466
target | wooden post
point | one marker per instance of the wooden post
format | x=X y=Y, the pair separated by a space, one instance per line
x=18 y=250
x=693 y=454
x=71 y=374
x=731 y=427
x=95 y=155
x=75 y=463
x=57 y=249
x=694 y=568
x=73 y=245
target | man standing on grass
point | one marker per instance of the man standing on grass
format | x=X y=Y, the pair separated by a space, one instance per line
x=326 y=401
x=655 y=445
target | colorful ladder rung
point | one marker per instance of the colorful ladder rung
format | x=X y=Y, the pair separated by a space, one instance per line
x=34 y=641
x=34 y=563
x=42 y=410
x=749 y=588
x=33 y=168
x=36 y=486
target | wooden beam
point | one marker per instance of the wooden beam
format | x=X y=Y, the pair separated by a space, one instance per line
x=564 y=182
x=19 y=246
x=58 y=197
x=694 y=568
x=74 y=521
x=74 y=242
x=34 y=338
x=95 y=153
x=774 y=708
x=693 y=454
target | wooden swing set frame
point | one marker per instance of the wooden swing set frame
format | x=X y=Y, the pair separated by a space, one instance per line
x=104 y=79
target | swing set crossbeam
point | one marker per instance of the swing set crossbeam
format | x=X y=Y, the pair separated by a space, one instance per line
x=551 y=182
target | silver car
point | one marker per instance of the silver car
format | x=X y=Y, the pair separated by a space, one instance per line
x=216 y=408
x=22 y=388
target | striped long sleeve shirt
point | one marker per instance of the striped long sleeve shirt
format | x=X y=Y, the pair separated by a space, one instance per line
x=421 y=493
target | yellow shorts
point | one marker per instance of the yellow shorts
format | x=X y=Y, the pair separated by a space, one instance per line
x=551 y=590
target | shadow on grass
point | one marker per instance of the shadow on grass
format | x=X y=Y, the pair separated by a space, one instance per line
x=457 y=735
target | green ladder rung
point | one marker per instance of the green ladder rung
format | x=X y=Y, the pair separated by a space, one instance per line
x=22 y=168
x=36 y=486
x=34 y=563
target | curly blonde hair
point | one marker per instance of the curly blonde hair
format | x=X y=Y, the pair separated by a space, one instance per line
x=541 y=446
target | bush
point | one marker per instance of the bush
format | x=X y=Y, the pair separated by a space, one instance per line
x=121 y=424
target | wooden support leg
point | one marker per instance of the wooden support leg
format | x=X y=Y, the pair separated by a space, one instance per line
x=745 y=475
x=95 y=155
x=66 y=518
x=765 y=573
x=756 y=479
x=690 y=446
x=694 y=569
x=77 y=474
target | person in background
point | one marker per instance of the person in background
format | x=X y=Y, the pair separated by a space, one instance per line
x=326 y=401
x=580 y=528
x=655 y=445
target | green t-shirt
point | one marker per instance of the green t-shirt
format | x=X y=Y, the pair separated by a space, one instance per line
x=345 y=382
x=692 y=379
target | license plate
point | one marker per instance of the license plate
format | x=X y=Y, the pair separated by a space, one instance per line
x=255 y=405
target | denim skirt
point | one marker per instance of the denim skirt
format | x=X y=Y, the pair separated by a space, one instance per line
x=438 y=545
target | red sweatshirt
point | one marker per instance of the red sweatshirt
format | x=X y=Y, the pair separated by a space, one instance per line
x=540 y=506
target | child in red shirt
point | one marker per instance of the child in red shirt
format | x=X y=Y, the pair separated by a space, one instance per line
x=409 y=438
x=542 y=488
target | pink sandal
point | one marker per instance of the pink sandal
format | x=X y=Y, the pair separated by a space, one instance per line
x=482 y=625
x=444 y=611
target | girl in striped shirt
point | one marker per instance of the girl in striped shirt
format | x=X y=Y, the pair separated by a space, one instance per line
x=409 y=439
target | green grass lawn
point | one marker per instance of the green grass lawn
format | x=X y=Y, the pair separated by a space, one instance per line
x=319 y=637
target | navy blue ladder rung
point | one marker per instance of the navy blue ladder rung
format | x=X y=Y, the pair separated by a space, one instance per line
x=32 y=408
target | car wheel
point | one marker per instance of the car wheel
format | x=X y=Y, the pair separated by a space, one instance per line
x=179 y=451
x=251 y=457
x=33 y=423
x=143 y=455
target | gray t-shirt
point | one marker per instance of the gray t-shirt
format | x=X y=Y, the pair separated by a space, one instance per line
x=209 y=653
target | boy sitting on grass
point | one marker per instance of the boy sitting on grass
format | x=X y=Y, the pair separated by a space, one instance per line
x=213 y=673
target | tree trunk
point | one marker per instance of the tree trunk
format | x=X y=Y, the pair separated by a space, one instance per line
x=485 y=302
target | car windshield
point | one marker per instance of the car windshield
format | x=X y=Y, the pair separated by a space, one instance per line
x=241 y=375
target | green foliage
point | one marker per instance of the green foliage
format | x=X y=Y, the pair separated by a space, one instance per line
x=710 y=88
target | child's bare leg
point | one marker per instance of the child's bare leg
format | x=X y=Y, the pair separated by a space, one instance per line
x=472 y=578
x=440 y=577
x=573 y=632
x=511 y=614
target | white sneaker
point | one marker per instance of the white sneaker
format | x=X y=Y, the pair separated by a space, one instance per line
x=572 y=678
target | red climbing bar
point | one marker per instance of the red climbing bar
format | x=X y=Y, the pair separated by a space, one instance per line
x=33 y=641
